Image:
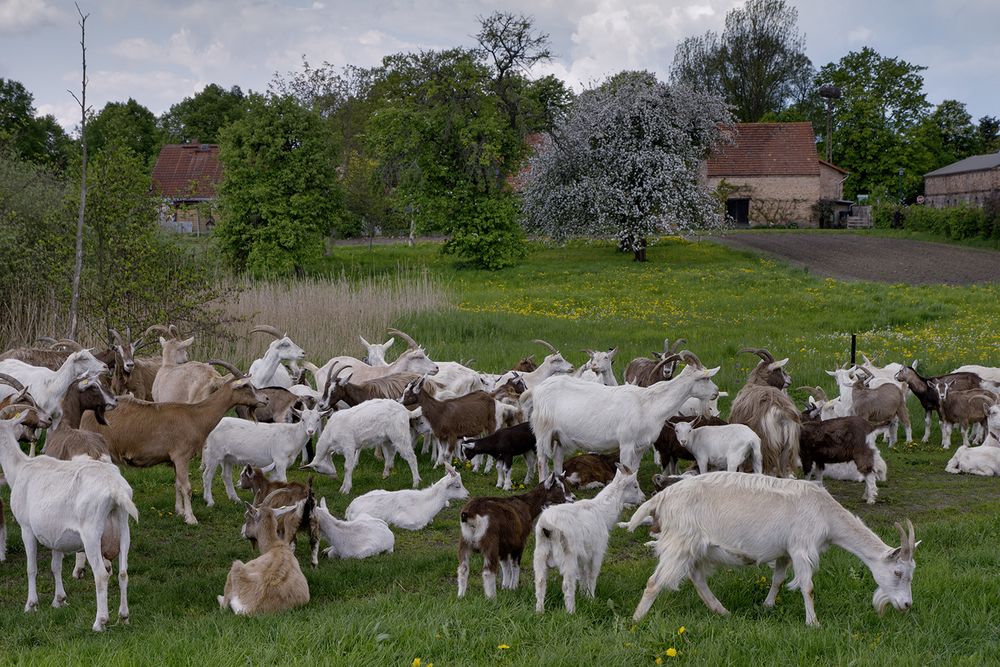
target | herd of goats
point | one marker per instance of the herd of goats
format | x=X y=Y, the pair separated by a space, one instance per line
x=739 y=502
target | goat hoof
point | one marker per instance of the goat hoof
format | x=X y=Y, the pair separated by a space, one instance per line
x=123 y=619
x=31 y=606
x=59 y=601
x=191 y=521
x=99 y=624
x=78 y=574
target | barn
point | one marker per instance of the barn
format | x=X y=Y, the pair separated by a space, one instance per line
x=972 y=181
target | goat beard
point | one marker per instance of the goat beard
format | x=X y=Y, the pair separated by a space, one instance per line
x=880 y=600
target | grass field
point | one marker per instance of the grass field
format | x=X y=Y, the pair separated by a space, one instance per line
x=391 y=609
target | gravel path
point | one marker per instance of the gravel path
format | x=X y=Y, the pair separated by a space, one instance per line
x=857 y=257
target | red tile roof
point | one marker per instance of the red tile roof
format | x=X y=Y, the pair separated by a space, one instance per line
x=188 y=171
x=768 y=149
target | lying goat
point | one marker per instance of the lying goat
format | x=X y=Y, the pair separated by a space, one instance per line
x=410 y=509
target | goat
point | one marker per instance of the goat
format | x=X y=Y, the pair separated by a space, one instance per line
x=271 y=582
x=131 y=375
x=985 y=459
x=375 y=352
x=600 y=365
x=503 y=445
x=884 y=403
x=729 y=445
x=645 y=372
x=363 y=537
x=498 y=528
x=183 y=382
x=763 y=405
x=669 y=449
x=728 y=519
x=268 y=371
x=925 y=389
x=144 y=434
x=410 y=509
x=591 y=470
x=254 y=480
x=571 y=414
x=34 y=421
x=962 y=408
x=552 y=364
x=381 y=423
x=344 y=389
x=454 y=418
x=65 y=506
x=525 y=365
x=302 y=520
x=988 y=373
x=240 y=442
x=68 y=440
x=413 y=360
x=55 y=356
x=47 y=387
x=574 y=538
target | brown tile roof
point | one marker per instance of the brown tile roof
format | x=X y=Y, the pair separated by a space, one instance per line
x=188 y=171
x=768 y=149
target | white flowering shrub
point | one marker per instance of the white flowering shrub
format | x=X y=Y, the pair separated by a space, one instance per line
x=625 y=163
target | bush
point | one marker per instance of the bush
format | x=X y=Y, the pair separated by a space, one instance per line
x=958 y=223
x=487 y=234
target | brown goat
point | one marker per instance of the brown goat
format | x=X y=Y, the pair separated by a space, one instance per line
x=645 y=372
x=342 y=389
x=498 y=528
x=463 y=417
x=271 y=582
x=670 y=450
x=525 y=365
x=838 y=440
x=763 y=406
x=144 y=434
x=68 y=440
x=591 y=470
x=302 y=520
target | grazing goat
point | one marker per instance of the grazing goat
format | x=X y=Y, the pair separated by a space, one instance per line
x=240 y=442
x=925 y=389
x=721 y=446
x=65 y=506
x=574 y=538
x=962 y=408
x=591 y=470
x=454 y=418
x=363 y=537
x=645 y=372
x=669 y=449
x=271 y=582
x=47 y=387
x=498 y=528
x=728 y=519
x=763 y=405
x=381 y=423
x=504 y=445
x=410 y=509
x=144 y=434
x=570 y=414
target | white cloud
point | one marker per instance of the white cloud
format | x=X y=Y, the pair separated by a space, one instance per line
x=24 y=15
x=859 y=34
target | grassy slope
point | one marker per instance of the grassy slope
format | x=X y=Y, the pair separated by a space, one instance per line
x=389 y=609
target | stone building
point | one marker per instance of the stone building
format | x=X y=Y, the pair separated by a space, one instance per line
x=971 y=181
x=187 y=177
x=772 y=175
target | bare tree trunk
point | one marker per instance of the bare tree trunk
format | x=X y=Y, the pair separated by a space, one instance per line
x=82 y=101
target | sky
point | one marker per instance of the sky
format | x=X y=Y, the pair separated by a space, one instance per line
x=160 y=52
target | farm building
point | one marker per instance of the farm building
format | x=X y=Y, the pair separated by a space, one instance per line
x=972 y=181
x=772 y=175
x=187 y=177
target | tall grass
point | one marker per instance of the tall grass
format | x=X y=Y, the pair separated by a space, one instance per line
x=25 y=318
x=323 y=315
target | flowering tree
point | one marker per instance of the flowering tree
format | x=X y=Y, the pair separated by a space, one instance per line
x=625 y=162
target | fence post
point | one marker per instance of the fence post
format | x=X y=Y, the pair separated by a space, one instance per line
x=854 y=349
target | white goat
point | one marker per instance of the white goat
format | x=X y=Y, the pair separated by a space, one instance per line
x=721 y=446
x=570 y=414
x=363 y=537
x=380 y=422
x=239 y=442
x=66 y=506
x=553 y=364
x=48 y=387
x=985 y=459
x=729 y=519
x=574 y=538
x=700 y=407
x=409 y=509
x=375 y=352
x=988 y=373
x=268 y=371
x=599 y=367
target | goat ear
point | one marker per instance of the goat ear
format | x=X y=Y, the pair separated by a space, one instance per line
x=187 y=343
x=914 y=365
x=894 y=554
x=163 y=341
x=364 y=342
x=389 y=342
x=623 y=469
x=612 y=352
x=550 y=480
x=777 y=364
x=831 y=373
x=322 y=502
x=712 y=371
x=917 y=543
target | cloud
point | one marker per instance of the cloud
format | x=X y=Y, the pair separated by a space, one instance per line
x=860 y=34
x=26 y=15
x=180 y=49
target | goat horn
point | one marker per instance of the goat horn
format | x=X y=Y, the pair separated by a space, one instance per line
x=5 y=411
x=13 y=382
x=548 y=345
x=117 y=337
x=48 y=340
x=667 y=358
x=264 y=328
x=172 y=328
x=228 y=366
x=157 y=327
x=677 y=344
x=815 y=392
x=412 y=344
x=689 y=358
x=71 y=344
x=666 y=345
x=913 y=536
x=760 y=352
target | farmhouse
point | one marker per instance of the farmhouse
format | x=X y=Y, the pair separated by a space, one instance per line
x=772 y=175
x=187 y=177
x=972 y=181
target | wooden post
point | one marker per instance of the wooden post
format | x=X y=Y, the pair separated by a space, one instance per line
x=854 y=349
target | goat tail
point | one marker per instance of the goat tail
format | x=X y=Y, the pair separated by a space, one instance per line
x=123 y=499
x=755 y=456
x=645 y=510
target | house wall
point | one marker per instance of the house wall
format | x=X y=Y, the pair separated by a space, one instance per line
x=972 y=187
x=188 y=218
x=775 y=199
x=831 y=182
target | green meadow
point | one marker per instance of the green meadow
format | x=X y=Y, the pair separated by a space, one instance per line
x=398 y=608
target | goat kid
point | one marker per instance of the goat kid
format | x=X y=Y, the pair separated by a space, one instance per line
x=363 y=537
x=410 y=509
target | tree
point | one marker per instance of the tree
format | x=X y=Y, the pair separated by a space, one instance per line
x=128 y=123
x=279 y=195
x=988 y=134
x=200 y=118
x=876 y=121
x=759 y=63
x=74 y=303
x=948 y=134
x=625 y=163
x=38 y=139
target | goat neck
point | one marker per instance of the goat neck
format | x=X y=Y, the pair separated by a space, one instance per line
x=11 y=456
x=609 y=502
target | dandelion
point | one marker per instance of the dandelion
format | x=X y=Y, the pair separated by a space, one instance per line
x=659 y=660
x=502 y=647
x=415 y=663
x=671 y=652
x=681 y=630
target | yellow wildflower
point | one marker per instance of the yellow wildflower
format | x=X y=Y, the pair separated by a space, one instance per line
x=681 y=630
x=659 y=660
x=415 y=663
x=671 y=652
x=502 y=647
